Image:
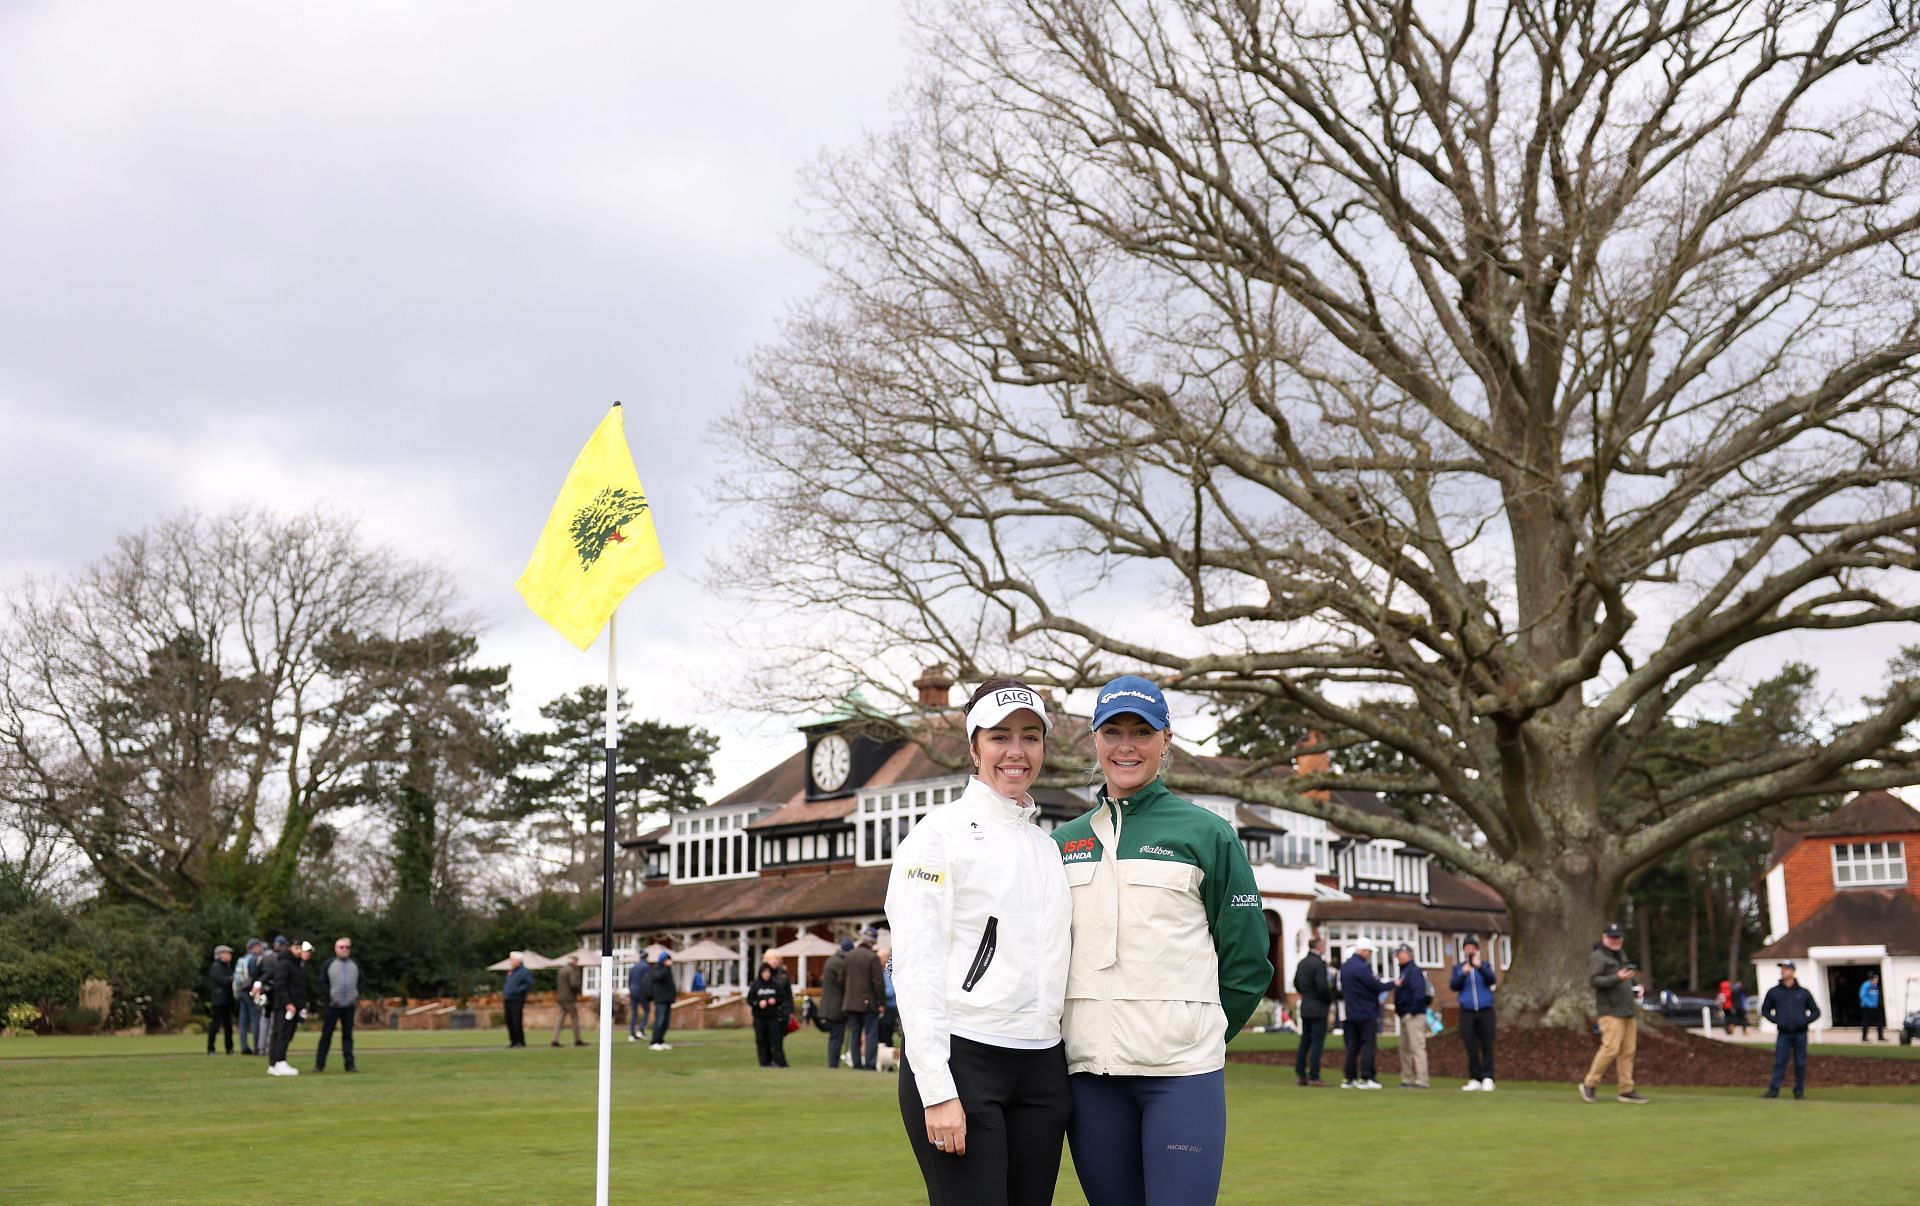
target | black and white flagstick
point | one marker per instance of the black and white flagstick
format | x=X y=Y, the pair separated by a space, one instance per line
x=605 y=1131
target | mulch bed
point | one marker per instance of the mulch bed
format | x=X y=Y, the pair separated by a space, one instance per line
x=1666 y=1056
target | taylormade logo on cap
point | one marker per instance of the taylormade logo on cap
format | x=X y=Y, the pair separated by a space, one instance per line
x=1131 y=695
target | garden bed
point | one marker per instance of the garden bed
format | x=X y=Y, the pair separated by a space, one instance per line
x=1666 y=1056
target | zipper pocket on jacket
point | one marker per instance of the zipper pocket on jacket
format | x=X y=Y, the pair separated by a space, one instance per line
x=983 y=957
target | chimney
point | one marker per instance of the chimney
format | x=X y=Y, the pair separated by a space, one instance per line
x=1314 y=764
x=935 y=686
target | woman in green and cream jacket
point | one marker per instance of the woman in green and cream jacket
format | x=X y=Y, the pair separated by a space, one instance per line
x=1169 y=959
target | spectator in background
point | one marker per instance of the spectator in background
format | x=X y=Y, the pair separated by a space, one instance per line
x=833 y=995
x=1873 y=1011
x=1723 y=997
x=1791 y=1009
x=1360 y=992
x=246 y=970
x=288 y=992
x=1618 y=1007
x=661 y=990
x=1741 y=1004
x=1314 y=982
x=220 y=997
x=341 y=979
x=1411 y=996
x=864 y=995
x=513 y=999
x=639 y=1009
x=890 y=1015
x=770 y=1001
x=566 y=995
x=1473 y=981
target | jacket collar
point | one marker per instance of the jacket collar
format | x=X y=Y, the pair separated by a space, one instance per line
x=1139 y=801
x=997 y=806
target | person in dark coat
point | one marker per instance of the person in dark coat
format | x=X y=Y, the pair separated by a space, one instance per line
x=639 y=1009
x=661 y=990
x=513 y=1000
x=770 y=1001
x=833 y=995
x=1360 y=993
x=1411 y=996
x=864 y=996
x=220 y=997
x=566 y=995
x=1313 y=980
x=288 y=993
x=1792 y=1010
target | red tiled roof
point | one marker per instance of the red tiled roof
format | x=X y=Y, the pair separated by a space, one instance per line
x=778 y=785
x=1448 y=890
x=1405 y=911
x=646 y=839
x=1870 y=812
x=1249 y=819
x=1857 y=917
x=850 y=891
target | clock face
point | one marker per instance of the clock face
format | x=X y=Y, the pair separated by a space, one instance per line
x=832 y=759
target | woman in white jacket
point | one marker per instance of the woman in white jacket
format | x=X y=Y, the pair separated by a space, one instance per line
x=981 y=914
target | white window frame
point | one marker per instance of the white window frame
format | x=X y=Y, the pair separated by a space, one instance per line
x=884 y=818
x=701 y=848
x=1431 y=949
x=1385 y=936
x=1869 y=864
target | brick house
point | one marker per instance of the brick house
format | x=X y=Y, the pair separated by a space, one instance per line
x=1843 y=900
x=807 y=845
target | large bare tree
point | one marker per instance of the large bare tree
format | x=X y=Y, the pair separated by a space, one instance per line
x=1531 y=363
x=175 y=709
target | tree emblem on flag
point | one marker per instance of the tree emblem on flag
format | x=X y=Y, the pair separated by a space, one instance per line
x=599 y=522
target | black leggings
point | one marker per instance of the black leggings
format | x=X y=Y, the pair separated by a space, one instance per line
x=1476 y=1031
x=1017 y=1103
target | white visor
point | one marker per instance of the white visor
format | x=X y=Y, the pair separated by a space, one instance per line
x=994 y=708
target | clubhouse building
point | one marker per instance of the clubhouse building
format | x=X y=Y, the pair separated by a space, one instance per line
x=1843 y=901
x=806 y=846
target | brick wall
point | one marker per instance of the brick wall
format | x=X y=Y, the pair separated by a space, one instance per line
x=1809 y=871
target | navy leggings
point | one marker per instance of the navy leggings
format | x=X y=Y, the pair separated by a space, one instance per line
x=1149 y=1139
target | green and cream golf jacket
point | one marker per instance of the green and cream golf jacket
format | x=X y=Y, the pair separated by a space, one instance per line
x=1169 y=941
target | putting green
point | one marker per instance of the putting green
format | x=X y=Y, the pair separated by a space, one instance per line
x=456 y=1117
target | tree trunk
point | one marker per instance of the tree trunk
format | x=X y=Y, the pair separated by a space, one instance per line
x=1644 y=918
x=1693 y=938
x=1735 y=928
x=1557 y=914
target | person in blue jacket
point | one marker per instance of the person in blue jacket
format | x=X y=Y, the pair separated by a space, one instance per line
x=1360 y=993
x=1473 y=981
x=513 y=999
x=1411 y=996
x=639 y=1008
x=1873 y=1014
x=1791 y=1009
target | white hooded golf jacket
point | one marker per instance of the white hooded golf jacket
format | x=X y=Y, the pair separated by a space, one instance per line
x=981 y=920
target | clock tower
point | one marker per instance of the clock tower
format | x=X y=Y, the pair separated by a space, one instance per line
x=842 y=754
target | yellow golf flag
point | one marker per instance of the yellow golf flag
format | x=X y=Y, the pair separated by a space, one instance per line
x=599 y=540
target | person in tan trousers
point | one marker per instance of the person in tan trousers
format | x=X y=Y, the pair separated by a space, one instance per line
x=567 y=997
x=1617 y=1002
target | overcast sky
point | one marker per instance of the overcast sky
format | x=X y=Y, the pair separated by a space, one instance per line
x=397 y=259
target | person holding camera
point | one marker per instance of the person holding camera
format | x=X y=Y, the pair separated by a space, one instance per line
x=1472 y=981
x=1616 y=999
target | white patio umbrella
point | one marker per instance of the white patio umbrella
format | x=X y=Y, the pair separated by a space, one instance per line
x=706 y=951
x=532 y=960
x=808 y=943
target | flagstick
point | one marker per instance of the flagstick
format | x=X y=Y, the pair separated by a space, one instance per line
x=605 y=1131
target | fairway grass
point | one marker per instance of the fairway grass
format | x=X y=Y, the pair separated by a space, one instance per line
x=454 y=1117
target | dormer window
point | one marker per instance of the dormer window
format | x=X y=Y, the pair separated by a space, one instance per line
x=1869 y=864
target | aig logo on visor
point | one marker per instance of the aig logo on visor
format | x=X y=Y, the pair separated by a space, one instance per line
x=1013 y=695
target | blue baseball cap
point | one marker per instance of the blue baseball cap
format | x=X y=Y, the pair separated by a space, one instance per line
x=1132 y=694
